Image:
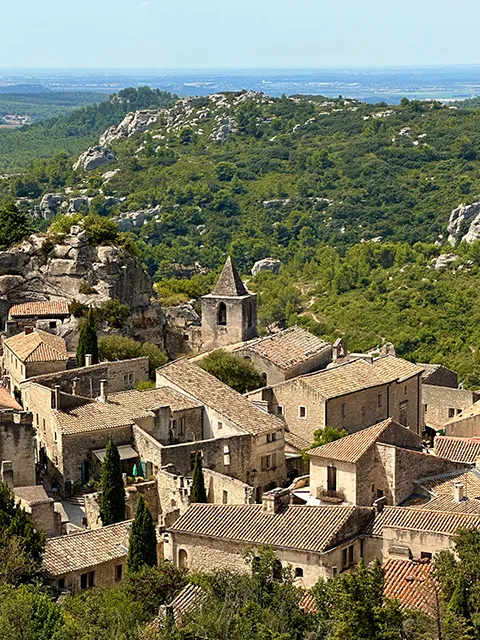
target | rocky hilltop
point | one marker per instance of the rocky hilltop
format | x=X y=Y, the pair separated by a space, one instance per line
x=71 y=268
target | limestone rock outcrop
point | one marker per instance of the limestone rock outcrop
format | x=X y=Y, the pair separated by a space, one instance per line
x=457 y=225
x=267 y=264
x=94 y=158
x=134 y=122
x=130 y=220
x=444 y=260
x=49 y=204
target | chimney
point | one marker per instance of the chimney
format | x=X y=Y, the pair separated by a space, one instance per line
x=28 y=330
x=274 y=500
x=379 y=504
x=103 y=391
x=58 y=401
x=458 y=491
x=88 y=359
x=7 y=473
x=75 y=387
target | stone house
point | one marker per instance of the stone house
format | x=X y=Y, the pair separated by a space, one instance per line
x=380 y=462
x=17 y=446
x=32 y=353
x=46 y=314
x=439 y=376
x=41 y=509
x=229 y=313
x=315 y=541
x=351 y=396
x=92 y=558
x=466 y=424
x=286 y=354
x=227 y=414
x=442 y=404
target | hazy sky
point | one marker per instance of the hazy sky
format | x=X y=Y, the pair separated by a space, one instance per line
x=237 y=33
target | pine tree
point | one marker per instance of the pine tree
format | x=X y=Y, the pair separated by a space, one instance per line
x=87 y=340
x=198 y=493
x=458 y=604
x=142 y=550
x=112 y=503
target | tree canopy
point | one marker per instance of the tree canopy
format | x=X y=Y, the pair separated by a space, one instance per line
x=238 y=373
x=112 y=501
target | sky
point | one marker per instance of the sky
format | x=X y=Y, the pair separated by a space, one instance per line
x=237 y=33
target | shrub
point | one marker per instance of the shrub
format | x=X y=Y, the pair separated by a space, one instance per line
x=122 y=348
x=113 y=312
x=100 y=230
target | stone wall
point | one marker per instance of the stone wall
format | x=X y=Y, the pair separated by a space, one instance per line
x=464 y=427
x=409 y=394
x=414 y=542
x=17 y=444
x=236 y=329
x=104 y=575
x=355 y=411
x=44 y=516
x=442 y=377
x=222 y=489
x=441 y=404
x=148 y=490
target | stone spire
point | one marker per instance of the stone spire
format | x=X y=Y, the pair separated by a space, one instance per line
x=229 y=282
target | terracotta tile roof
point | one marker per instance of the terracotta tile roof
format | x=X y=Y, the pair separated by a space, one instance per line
x=7 y=401
x=121 y=410
x=189 y=598
x=297 y=442
x=44 y=308
x=37 y=346
x=208 y=390
x=229 y=283
x=351 y=448
x=348 y=378
x=307 y=528
x=288 y=348
x=465 y=450
x=443 y=484
x=411 y=583
x=444 y=503
x=441 y=522
x=86 y=549
x=34 y=494
x=308 y=602
x=392 y=368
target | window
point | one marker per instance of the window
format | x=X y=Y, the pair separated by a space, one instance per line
x=380 y=493
x=279 y=410
x=186 y=337
x=348 y=557
x=183 y=559
x=459 y=411
x=128 y=378
x=61 y=584
x=451 y=412
x=36 y=419
x=331 y=478
x=55 y=435
x=425 y=555
x=225 y=497
x=182 y=426
x=266 y=462
x=274 y=437
x=425 y=408
x=226 y=455
x=277 y=570
x=302 y=412
x=173 y=425
x=222 y=314
x=344 y=409
x=52 y=324
x=405 y=390
x=44 y=425
x=268 y=438
x=83 y=580
x=219 y=425
x=379 y=400
x=298 y=572
x=118 y=572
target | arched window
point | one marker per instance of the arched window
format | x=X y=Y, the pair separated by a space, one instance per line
x=277 y=570
x=183 y=559
x=222 y=314
x=298 y=572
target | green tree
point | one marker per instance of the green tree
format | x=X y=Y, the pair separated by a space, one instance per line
x=154 y=586
x=112 y=502
x=238 y=373
x=458 y=604
x=87 y=340
x=142 y=550
x=14 y=225
x=198 y=493
x=28 y=612
x=122 y=348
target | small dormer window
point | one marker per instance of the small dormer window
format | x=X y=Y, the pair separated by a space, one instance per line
x=222 y=314
x=302 y=412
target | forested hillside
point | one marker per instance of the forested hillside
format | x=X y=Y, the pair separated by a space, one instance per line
x=354 y=199
x=41 y=105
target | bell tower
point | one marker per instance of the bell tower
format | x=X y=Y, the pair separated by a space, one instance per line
x=229 y=313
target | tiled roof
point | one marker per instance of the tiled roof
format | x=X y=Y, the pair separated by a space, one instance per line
x=34 y=494
x=441 y=522
x=87 y=549
x=391 y=368
x=429 y=369
x=351 y=448
x=295 y=441
x=121 y=409
x=229 y=283
x=308 y=602
x=348 y=378
x=189 y=598
x=37 y=346
x=288 y=348
x=465 y=450
x=307 y=528
x=7 y=401
x=44 y=308
x=199 y=384
x=443 y=484
x=444 y=503
x=411 y=583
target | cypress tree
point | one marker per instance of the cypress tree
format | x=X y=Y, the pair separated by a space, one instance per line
x=142 y=548
x=112 y=503
x=198 y=493
x=87 y=340
x=458 y=604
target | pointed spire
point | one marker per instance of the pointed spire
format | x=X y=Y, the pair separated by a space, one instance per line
x=229 y=282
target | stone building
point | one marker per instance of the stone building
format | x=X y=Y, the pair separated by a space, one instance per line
x=286 y=354
x=351 y=396
x=440 y=376
x=229 y=313
x=315 y=541
x=259 y=456
x=32 y=353
x=17 y=446
x=442 y=404
x=466 y=424
x=46 y=314
x=92 y=558
x=41 y=509
x=380 y=462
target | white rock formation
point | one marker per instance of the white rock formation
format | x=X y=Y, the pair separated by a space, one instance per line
x=267 y=264
x=93 y=158
x=134 y=122
x=457 y=229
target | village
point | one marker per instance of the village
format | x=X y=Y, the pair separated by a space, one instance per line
x=397 y=486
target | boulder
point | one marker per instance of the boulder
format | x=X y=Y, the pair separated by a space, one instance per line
x=463 y=214
x=134 y=122
x=444 y=260
x=93 y=158
x=75 y=204
x=267 y=264
x=49 y=204
x=132 y=220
